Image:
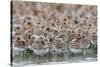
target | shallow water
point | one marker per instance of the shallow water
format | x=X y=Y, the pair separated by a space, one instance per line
x=29 y=58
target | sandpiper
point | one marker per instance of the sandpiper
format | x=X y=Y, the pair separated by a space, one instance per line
x=31 y=41
x=16 y=30
x=59 y=46
x=19 y=45
x=39 y=45
x=27 y=35
x=28 y=25
x=75 y=47
x=94 y=39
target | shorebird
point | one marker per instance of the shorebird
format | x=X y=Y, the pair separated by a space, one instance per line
x=16 y=30
x=70 y=34
x=39 y=45
x=94 y=39
x=59 y=46
x=19 y=45
x=28 y=25
x=85 y=44
x=75 y=47
x=27 y=35
x=31 y=41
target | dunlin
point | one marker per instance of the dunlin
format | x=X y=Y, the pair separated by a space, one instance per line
x=17 y=30
x=75 y=47
x=85 y=45
x=40 y=45
x=19 y=45
x=59 y=46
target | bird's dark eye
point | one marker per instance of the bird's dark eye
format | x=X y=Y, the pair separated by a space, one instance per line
x=90 y=25
x=53 y=24
x=18 y=28
x=18 y=38
x=50 y=40
x=76 y=21
x=64 y=23
x=38 y=23
x=48 y=29
x=29 y=23
x=42 y=42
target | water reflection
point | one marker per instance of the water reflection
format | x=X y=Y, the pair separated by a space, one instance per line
x=31 y=58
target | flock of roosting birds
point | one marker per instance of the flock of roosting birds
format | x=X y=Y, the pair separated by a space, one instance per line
x=56 y=32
